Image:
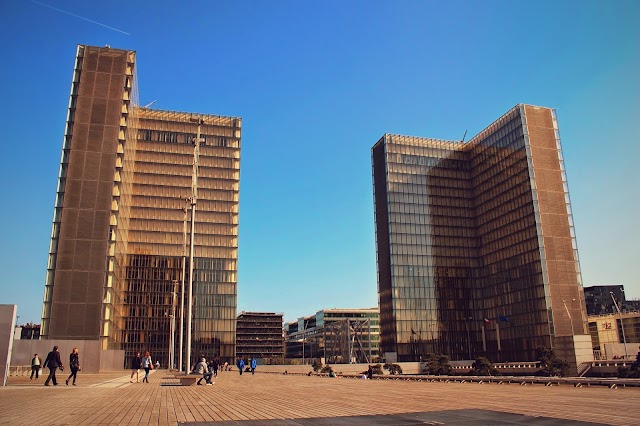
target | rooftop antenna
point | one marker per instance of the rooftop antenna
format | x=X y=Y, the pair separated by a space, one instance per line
x=463 y=136
x=153 y=102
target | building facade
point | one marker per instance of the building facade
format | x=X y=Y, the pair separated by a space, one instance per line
x=119 y=240
x=476 y=249
x=335 y=336
x=259 y=335
x=599 y=300
x=610 y=333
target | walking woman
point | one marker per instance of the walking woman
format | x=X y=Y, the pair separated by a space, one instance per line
x=136 y=364
x=74 y=364
x=147 y=364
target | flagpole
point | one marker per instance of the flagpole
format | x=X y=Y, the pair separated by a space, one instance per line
x=484 y=340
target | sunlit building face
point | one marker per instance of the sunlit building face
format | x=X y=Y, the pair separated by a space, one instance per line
x=475 y=243
x=117 y=251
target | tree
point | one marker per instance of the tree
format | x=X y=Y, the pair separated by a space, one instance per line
x=436 y=364
x=483 y=367
x=630 y=372
x=393 y=368
x=550 y=364
x=326 y=369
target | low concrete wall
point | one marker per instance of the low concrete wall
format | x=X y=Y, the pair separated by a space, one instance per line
x=7 y=324
x=407 y=368
x=92 y=358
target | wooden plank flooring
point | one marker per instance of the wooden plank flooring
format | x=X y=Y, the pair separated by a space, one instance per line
x=109 y=399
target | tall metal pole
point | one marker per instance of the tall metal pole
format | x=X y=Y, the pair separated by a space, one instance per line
x=570 y=319
x=304 y=327
x=624 y=338
x=466 y=325
x=184 y=261
x=194 y=197
x=172 y=339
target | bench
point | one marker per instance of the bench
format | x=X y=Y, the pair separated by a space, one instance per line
x=188 y=379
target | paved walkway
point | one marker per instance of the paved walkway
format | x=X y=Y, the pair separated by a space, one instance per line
x=111 y=399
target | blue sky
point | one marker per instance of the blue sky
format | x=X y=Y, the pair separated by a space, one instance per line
x=317 y=84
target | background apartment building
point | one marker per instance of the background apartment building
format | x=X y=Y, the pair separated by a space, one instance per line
x=335 y=336
x=259 y=335
x=118 y=255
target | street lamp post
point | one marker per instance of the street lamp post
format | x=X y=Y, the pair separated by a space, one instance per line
x=569 y=314
x=624 y=338
x=172 y=338
x=184 y=261
x=194 y=197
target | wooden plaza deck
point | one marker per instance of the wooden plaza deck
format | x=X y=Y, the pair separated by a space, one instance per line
x=109 y=399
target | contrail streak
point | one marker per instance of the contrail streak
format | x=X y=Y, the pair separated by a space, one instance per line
x=80 y=17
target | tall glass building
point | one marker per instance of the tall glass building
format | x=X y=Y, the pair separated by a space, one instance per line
x=476 y=249
x=118 y=247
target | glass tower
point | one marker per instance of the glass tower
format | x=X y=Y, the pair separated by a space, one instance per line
x=476 y=249
x=118 y=247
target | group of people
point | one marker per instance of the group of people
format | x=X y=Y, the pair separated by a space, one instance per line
x=53 y=362
x=145 y=363
x=241 y=364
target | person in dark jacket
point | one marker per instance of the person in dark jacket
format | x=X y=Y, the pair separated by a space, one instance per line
x=215 y=364
x=74 y=366
x=53 y=362
x=136 y=364
x=36 y=364
x=370 y=373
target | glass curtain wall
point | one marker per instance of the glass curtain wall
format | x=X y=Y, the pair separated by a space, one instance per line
x=462 y=261
x=161 y=188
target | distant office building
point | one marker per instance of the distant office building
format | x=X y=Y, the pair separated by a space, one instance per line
x=599 y=301
x=476 y=248
x=259 y=335
x=609 y=332
x=335 y=336
x=29 y=331
x=117 y=250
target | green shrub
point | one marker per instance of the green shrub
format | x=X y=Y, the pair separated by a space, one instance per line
x=550 y=364
x=393 y=368
x=326 y=369
x=483 y=367
x=436 y=364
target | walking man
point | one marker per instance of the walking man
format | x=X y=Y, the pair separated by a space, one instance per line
x=35 y=366
x=53 y=362
x=240 y=365
x=215 y=364
x=253 y=366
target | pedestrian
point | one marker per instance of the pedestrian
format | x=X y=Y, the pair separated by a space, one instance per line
x=36 y=363
x=74 y=366
x=254 y=364
x=226 y=366
x=147 y=364
x=203 y=368
x=53 y=362
x=240 y=365
x=136 y=364
x=157 y=365
x=215 y=364
x=370 y=373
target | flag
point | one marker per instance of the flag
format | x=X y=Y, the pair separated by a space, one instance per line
x=503 y=318
x=486 y=321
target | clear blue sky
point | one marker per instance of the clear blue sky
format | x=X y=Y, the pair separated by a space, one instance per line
x=317 y=84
